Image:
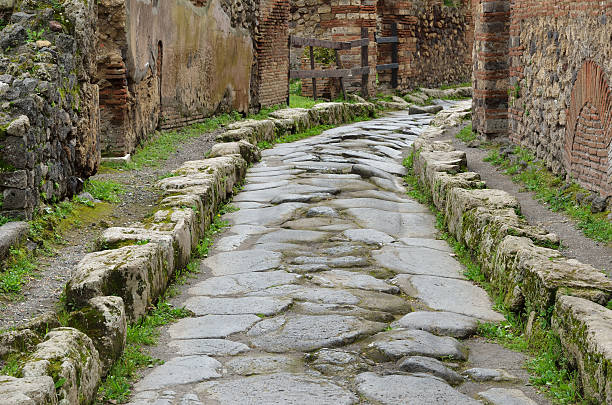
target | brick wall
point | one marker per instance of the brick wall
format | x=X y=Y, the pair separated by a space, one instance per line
x=271 y=41
x=435 y=42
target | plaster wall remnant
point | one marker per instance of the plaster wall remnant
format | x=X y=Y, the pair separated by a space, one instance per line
x=549 y=89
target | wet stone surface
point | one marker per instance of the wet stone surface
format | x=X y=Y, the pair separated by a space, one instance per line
x=330 y=287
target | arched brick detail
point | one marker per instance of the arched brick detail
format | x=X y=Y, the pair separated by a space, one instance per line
x=589 y=130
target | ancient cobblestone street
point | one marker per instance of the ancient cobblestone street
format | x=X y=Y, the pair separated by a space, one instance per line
x=330 y=287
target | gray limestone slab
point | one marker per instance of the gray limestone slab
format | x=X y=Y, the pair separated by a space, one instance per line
x=292 y=235
x=266 y=179
x=403 y=206
x=367 y=172
x=313 y=308
x=345 y=185
x=181 y=370
x=242 y=261
x=264 y=216
x=300 y=198
x=420 y=364
x=337 y=362
x=322 y=211
x=264 y=364
x=242 y=283
x=449 y=294
x=229 y=243
x=489 y=374
x=388 y=185
x=210 y=347
x=378 y=195
x=406 y=389
x=324 y=167
x=505 y=396
x=264 y=186
x=211 y=326
x=398 y=225
x=418 y=260
x=235 y=306
x=436 y=244
x=392 y=153
x=312 y=294
x=310 y=332
x=368 y=236
x=316 y=223
x=263 y=167
x=349 y=279
x=439 y=323
x=379 y=301
x=267 y=196
x=395 y=344
x=276 y=389
x=277 y=246
x=388 y=167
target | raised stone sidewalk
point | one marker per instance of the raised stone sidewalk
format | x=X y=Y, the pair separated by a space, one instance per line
x=330 y=287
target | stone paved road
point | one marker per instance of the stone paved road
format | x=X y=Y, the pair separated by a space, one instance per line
x=331 y=288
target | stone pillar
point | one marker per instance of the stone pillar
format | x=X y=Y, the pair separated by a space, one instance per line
x=491 y=67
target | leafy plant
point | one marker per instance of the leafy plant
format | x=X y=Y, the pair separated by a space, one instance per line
x=466 y=134
x=104 y=190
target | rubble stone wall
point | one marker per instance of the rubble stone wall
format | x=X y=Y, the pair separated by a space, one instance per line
x=542 y=74
x=49 y=118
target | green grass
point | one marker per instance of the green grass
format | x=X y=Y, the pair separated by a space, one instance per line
x=466 y=134
x=297 y=101
x=553 y=191
x=455 y=86
x=19 y=268
x=104 y=190
x=549 y=369
x=12 y=366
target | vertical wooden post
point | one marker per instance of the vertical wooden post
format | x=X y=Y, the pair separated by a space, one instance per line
x=289 y=72
x=339 y=65
x=394 y=55
x=312 y=66
x=364 y=63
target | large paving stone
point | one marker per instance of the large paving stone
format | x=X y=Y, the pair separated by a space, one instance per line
x=312 y=294
x=265 y=364
x=235 y=306
x=292 y=235
x=398 y=225
x=27 y=391
x=211 y=326
x=306 y=333
x=243 y=261
x=420 y=364
x=449 y=294
x=337 y=361
x=279 y=388
x=264 y=216
x=211 y=347
x=403 y=206
x=242 y=283
x=418 y=260
x=368 y=236
x=405 y=389
x=489 y=374
x=181 y=370
x=439 y=323
x=395 y=344
x=312 y=308
x=349 y=279
x=505 y=396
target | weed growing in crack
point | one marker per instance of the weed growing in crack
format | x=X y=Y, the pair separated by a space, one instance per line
x=104 y=190
x=466 y=134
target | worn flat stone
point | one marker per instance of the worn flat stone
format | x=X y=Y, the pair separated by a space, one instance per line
x=211 y=326
x=405 y=389
x=380 y=301
x=279 y=388
x=337 y=361
x=439 y=323
x=229 y=243
x=505 y=396
x=488 y=374
x=292 y=235
x=263 y=216
x=210 y=347
x=435 y=244
x=313 y=308
x=312 y=294
x=244 y=261
x=418 y=260
x=264 y=186
x=300 y=198
x=322 y=212
x=180 y=370
x=242 y=283
x=349 y=279
x=450 y=295
x=403 y=206
x=235 y=306
x=308 y=332
x=264 y=364
x=368 y=236
x=395 y=344
x=420 y=364
x=398 y=225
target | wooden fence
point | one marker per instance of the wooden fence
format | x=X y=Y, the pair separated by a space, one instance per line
x=363 y=71
x=393 y=40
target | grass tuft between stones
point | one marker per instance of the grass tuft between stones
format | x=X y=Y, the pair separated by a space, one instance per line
x=550 y=370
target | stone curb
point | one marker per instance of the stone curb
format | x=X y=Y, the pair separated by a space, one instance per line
x=12 y=234
x=517 y=259
x=118 y=283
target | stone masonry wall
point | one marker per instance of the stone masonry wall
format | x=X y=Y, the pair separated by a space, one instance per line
x=435 y=42
x=49 y=105
x=560 y=102
x=542 y=72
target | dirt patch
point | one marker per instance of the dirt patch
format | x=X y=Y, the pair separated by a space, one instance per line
x=42 y=293
x=574 y=244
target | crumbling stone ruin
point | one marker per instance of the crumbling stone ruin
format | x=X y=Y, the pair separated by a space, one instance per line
x=542 y=77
